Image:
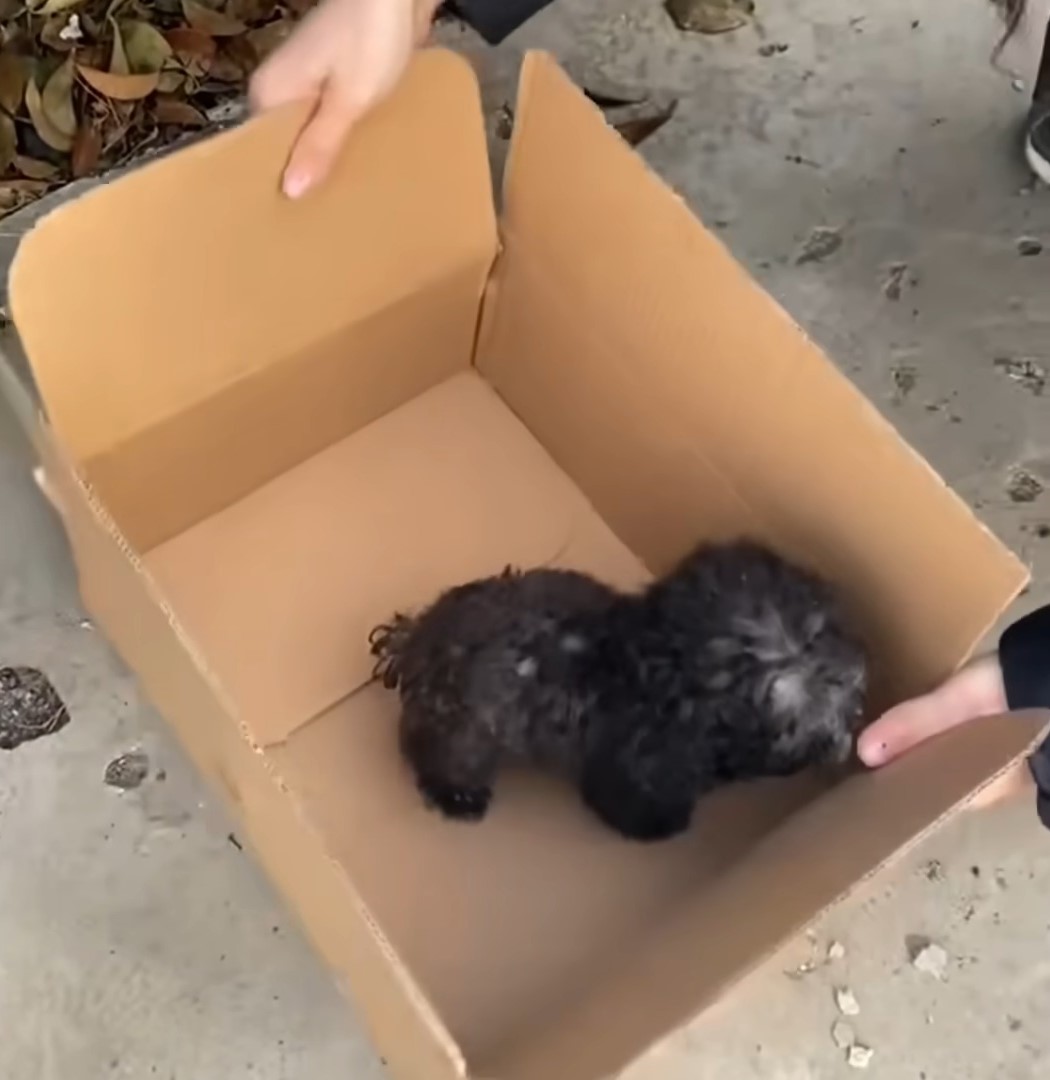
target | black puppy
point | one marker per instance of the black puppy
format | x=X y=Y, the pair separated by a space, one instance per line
x=736 y=665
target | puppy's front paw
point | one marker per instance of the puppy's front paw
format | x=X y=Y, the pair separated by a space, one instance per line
x=457 y=803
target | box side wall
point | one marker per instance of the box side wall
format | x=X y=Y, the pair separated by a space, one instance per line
x=125 y=606
x=686 y=404
x=662 y=981
x=171 y=476
x=198 y=307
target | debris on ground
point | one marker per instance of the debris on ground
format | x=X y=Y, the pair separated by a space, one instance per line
x=774 y=48
x=504 y=121
x=836 y=951
x=710 y=16
x=633 y=112
x=846 y=1002
x=859 y=1057
x=823 y=240
x=30 y=707
x=1022 y=486
x=905 y=379
x=1024 y=371
x=842 y=1035
x=893 y=286
x=127 y=771
x=637 y=123
x=807 y=967
x=87 y=85
x=1029 y=245
x=933 y=870
x=928 y=957
x=605 y=92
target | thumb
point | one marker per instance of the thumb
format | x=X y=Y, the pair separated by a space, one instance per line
x=973 y=692
x=319 y=143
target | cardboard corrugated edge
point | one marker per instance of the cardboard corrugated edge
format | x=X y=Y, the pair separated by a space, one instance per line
x=132 y=612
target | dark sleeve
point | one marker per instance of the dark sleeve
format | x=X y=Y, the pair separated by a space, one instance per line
x=495 y=19
x=1024 y=655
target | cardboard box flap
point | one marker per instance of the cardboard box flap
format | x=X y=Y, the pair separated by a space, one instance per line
x=281 y=590
x=819 y=855
x=143 y=298
x=694 y=407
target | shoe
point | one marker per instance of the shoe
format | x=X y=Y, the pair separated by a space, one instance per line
x=1037 y=140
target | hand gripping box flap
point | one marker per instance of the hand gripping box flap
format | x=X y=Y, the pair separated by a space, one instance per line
x=685 y=403
x=194 y=333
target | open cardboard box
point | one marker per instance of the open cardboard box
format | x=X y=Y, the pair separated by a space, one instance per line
x=269 y=425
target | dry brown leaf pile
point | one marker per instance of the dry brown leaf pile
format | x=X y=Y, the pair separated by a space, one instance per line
x=88 y=84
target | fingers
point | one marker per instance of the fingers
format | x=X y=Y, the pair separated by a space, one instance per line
x=318 y=145
x=974 y=692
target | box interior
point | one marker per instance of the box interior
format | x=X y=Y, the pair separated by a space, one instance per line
x=294 y=464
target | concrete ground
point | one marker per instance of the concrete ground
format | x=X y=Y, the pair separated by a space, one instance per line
x=137 y=940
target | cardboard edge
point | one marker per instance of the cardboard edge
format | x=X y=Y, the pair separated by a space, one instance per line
x=49 y=449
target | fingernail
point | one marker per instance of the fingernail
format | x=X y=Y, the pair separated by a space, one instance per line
x=296 y=183
x=873 y=754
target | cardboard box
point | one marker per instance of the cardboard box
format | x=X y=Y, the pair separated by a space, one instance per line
x=269 y=425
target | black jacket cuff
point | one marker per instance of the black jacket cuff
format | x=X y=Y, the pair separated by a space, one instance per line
x=1024 y=656
x=495 y=19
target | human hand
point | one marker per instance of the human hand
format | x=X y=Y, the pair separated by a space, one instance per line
x=347 y=56
x=974 y=692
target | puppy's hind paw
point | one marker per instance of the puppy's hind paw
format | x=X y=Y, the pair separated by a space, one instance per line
x=386 y=643
x=456 y=803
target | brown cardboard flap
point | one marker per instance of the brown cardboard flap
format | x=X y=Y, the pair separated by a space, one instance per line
x=685 y=403
x=215 y=275
x=821 y=853
x=281 y=589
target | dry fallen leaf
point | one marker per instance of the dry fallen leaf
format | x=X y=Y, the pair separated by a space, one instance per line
x=87 y=151
x=35 y=169
x=13 y=75
x=637 y=129
x=57 y=99
x=120 y=87
x=118 y=60
x=710 y=16
x=212 y=22
x=171 y=110
x=42 y=124
x=52 y=7
x=14 y=194
x=264 y=39
x=8 y=142
x=172 y=79
x=146 y=48
x=188 y=43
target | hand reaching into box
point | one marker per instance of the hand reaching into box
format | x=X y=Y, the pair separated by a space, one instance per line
x=1017 y=676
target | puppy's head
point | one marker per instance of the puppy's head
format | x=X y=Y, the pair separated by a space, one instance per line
x=817 y=700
